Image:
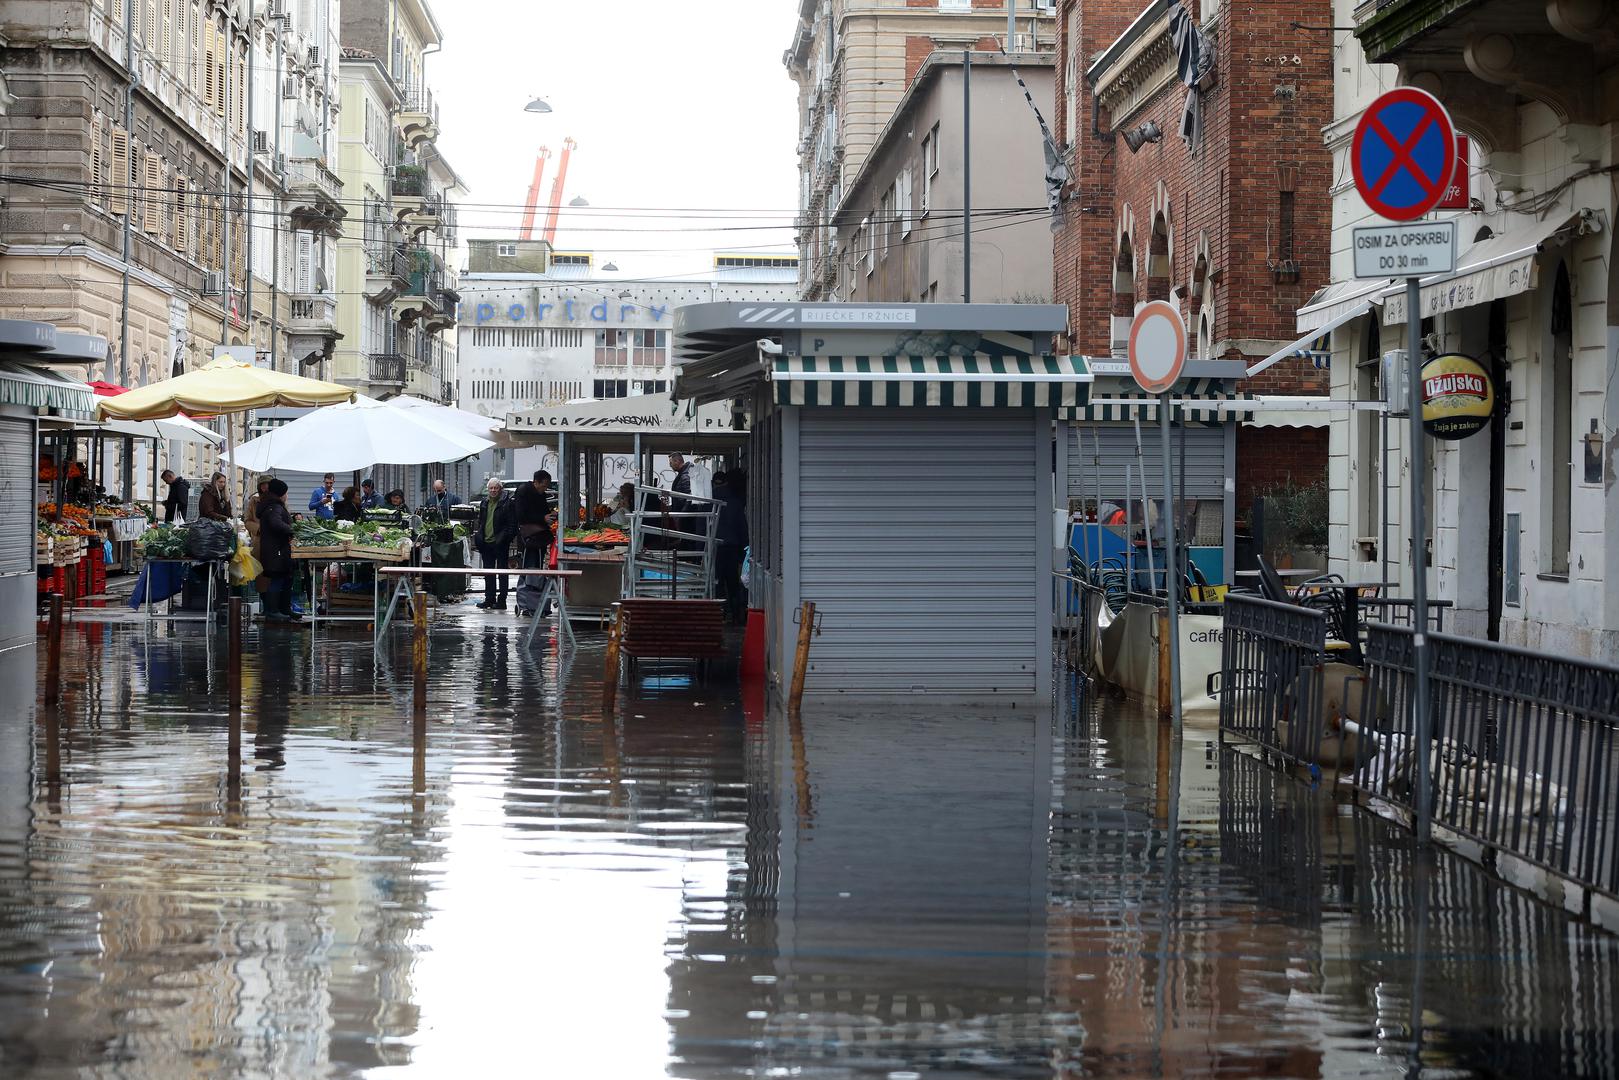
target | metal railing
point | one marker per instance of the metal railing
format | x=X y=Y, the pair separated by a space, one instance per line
x=1525 y=750
x=411 y=181
x=314 y=307
x=387 y=368
x=1275 y=677
x=390 y=260
x=1076 y=604
x=311 y=174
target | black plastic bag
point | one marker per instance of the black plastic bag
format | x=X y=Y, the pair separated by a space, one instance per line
x=206 y=539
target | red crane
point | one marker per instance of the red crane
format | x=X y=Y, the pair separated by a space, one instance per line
x=533 y=205
x=556 y=191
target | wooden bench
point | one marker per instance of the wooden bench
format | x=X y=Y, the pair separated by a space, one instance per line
x=673 y=629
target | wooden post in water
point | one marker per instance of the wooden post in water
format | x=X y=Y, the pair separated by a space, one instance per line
x=806 y=628
x=1166 y=706
x=419 y=655
x=234 y=748
x=615 y=638
x=53 y=653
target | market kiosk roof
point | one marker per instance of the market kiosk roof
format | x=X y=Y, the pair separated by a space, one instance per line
x=613 y=424
x=975 y=355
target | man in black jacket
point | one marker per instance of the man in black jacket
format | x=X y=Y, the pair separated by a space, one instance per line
x=494 y=525
x=536 y=511
x=179 y=495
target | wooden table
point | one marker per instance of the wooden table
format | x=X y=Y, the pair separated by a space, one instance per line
x=553 y=591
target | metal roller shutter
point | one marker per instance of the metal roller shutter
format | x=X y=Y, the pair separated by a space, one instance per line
x=17 y=513
x=954 y=611
x=1205 y=460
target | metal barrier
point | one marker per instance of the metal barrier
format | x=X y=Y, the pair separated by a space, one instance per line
x=1523 y=758
x=1075 y=606
x=1273 y=680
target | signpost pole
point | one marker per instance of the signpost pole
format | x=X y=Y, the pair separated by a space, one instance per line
x=1421 y=725
x=1171 y=570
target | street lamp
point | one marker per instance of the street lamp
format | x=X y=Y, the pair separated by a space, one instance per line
x=538 y=105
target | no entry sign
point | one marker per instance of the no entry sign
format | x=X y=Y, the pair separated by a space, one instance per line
x=1157 y=346
x=1403 y=154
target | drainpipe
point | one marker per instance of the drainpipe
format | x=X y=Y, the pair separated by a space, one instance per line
x=281 y=181
x=129 y=203
x=224 y=269
x=247 y=300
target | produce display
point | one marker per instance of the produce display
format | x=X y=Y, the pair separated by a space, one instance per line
x=314 y=532
x=163 y=542
x=603 y=536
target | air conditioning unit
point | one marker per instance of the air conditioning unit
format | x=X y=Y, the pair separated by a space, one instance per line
x=261 y=142
x=213 y=283
x=314 y=56
x=289 y=87
x=278 y=9
x=1119 y=336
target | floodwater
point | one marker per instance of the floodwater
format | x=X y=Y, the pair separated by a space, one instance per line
x=697 y=889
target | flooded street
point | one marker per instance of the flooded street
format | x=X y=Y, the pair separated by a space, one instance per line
x=698 y=889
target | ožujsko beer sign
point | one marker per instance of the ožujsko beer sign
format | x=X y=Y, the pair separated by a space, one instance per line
x=1457 y=396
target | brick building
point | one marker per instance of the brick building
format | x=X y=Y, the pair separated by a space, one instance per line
x=1233 y=228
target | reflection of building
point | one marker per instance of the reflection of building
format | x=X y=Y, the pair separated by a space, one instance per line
x=396 y=264
x=538 y=338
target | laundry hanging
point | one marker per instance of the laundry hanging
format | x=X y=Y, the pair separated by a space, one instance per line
x=1194 y=55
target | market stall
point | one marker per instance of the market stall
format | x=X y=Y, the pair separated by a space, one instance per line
x=642 y=427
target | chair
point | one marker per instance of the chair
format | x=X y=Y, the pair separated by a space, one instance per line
x=1270 y=582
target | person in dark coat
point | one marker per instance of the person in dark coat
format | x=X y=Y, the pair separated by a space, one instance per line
x=494 y=526
x=732 y=533
x=536 y=513
x=275 y=543
x=350 y=509
x=179 y=495
x=441 y=500
x=369 y=499
x=214 y=502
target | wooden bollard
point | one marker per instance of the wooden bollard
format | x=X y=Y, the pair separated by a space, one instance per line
x=806 y=629
x=418 y=649
x=615 y=638
x=53 y=653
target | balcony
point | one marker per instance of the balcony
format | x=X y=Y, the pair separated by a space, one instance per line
x=425 y=293
x=417 y=204
x=387 y=272
x=314 y=197
x=388 y=370
x=418 y=119
x=448 y=313
x=312 y=332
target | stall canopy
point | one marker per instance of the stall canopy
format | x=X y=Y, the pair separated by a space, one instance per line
x=42 y=388
x=223 y=386
x=655 y=417
x=177 y=428
x=356 y=435
x=973 y=381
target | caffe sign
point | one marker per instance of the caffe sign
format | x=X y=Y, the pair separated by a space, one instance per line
x=1457 y=397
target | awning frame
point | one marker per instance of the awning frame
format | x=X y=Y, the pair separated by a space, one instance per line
x=978 y=381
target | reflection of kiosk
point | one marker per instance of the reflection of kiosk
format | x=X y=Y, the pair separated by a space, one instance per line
x=645 y=427
x=900 y=472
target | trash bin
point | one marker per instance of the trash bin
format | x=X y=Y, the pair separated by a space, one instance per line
x=445 y=586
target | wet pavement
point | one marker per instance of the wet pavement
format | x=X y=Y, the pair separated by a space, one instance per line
x=699 y=889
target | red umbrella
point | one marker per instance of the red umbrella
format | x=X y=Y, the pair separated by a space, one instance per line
x=107 y=389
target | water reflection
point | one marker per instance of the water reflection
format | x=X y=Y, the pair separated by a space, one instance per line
x=697 y=888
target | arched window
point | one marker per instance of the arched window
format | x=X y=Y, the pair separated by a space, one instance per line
x=1124 y=279
x=1158 y=268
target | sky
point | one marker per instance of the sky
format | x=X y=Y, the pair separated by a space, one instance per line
x=682 y=110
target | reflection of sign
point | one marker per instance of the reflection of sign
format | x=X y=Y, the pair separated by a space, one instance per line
x=1403 y=154
x=1415 y=250
x=1157 y=346
x=1457 y=397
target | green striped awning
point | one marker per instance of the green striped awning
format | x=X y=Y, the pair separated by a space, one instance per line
x=42 y=388
x=978 y=381
x=1193 y=402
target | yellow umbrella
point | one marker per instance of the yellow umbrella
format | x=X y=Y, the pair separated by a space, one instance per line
x=223 y=386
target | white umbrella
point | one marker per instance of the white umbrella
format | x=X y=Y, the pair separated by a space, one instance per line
x=484 y=427
x=177 y=428
x=357 y=435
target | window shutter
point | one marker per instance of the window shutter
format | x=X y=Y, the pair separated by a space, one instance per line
x=149 y=26
x=210 y=89
x=118 y=13
x=182 y=217
x=239 y=94
x=199 y=51
x=151 y=195
x=221 y=91
x=166 y=33
x=118 y=186
x=304 y=281
x=98 y=163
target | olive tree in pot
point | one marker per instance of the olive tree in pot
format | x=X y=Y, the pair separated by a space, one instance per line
x=1295 y=525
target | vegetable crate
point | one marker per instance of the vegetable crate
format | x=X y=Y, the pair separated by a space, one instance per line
x=379 y=554
x=323 y=551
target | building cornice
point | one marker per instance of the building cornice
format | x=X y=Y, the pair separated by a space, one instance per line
x=1137 y=73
